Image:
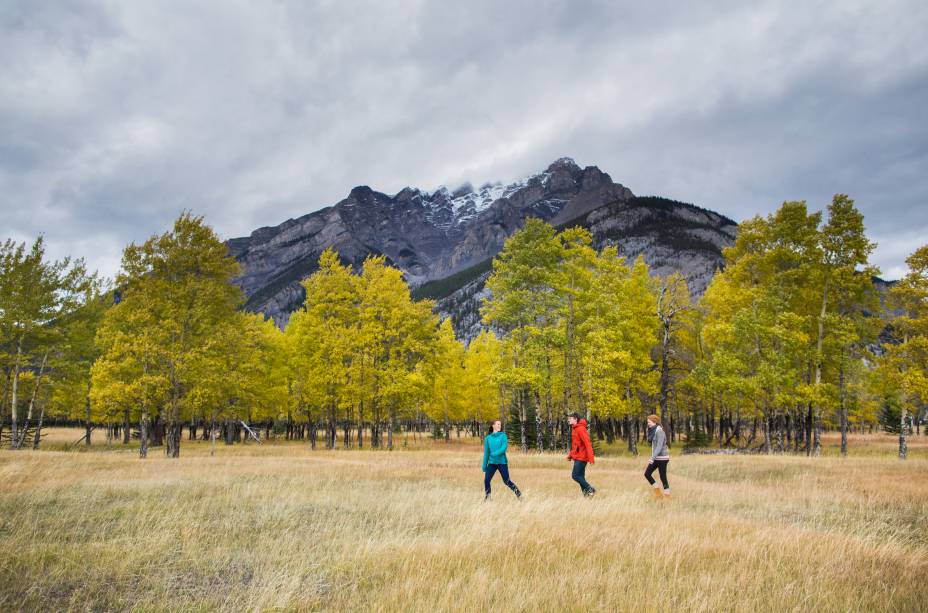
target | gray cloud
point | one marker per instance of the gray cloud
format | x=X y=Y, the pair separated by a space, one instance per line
x=115 y=116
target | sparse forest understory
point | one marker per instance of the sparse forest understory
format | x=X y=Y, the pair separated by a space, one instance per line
x=695 y=434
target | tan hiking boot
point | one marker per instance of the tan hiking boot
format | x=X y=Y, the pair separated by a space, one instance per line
x=658 y=494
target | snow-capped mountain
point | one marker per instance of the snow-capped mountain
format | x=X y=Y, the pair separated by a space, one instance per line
x=444 y=240
x=464 y=205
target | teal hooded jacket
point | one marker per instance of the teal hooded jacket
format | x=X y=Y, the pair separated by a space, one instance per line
x=494 y=449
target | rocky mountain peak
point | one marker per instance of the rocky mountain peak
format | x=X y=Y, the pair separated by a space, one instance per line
x=564 y=163
x=408 y=194
x=361 y=193
x=431 y=237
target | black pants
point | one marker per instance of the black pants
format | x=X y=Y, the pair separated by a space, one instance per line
x=579 y=475
x=503 y=472
x=661 y=466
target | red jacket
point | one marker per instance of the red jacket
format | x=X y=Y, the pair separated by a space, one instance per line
x=580 y=446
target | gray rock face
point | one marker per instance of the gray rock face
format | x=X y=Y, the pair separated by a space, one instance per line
x=443 y=241
x=671 y=236
x=429 y=236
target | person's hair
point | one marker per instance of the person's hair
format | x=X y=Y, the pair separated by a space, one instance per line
x=655 y=419
x=575 y=415
x=492 y=423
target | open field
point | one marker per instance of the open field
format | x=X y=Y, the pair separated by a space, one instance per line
x=279 y=527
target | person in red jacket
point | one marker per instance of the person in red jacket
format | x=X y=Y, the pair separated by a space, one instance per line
x=581 y=452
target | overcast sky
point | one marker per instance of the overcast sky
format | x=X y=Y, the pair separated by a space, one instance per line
x=115 y=116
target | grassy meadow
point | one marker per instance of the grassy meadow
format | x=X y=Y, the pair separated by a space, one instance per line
x=279 y=527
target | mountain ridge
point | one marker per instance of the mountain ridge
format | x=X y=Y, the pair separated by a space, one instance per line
x=437 y=237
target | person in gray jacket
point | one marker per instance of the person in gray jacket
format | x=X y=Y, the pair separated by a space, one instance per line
x=660 y=457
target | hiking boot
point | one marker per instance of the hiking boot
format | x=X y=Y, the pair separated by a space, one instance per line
x=518 y=494
x=667 y=494
x=658 y=494
x=486 y=497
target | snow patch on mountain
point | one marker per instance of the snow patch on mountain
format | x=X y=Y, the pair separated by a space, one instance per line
x=465 y=204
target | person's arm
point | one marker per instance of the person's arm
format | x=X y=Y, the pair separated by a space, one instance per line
x=587 y=444
x=486 y=452
x=657 y=444
x=502 y=450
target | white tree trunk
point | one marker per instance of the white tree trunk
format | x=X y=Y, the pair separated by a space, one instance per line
x=903 y=442
x=15 y=433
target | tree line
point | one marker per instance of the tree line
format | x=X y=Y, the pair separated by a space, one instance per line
x=791 y=338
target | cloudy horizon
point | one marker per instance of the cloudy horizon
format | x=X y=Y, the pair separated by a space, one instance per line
x=117 y=116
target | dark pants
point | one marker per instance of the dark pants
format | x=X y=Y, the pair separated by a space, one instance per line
x=579 y=475
x=503 y=472
x=661 y=466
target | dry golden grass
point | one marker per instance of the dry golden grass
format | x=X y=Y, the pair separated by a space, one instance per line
x=279 y=527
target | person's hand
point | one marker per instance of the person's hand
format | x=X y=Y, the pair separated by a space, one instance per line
x=650 y=462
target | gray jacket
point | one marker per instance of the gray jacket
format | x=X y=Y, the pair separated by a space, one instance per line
x=659 y=450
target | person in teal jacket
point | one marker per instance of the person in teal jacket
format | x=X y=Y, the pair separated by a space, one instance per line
x=494 y=459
